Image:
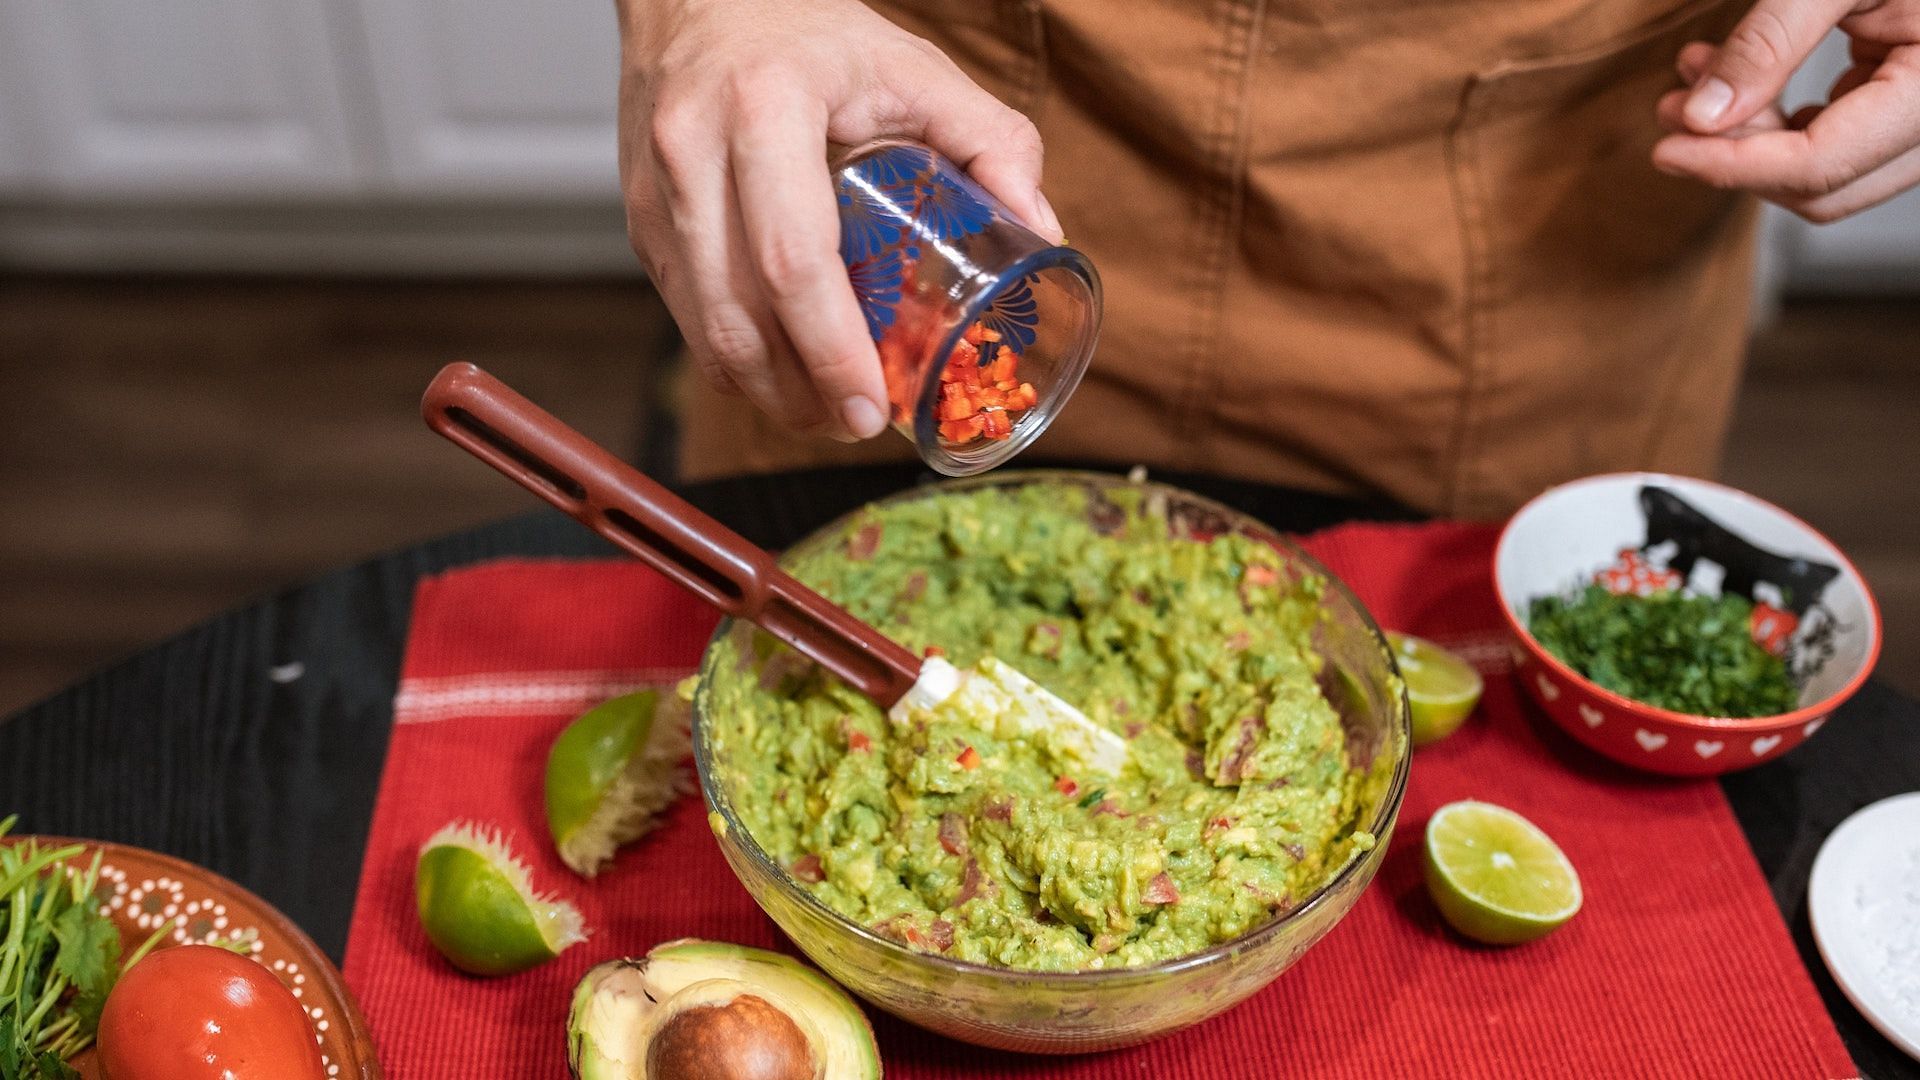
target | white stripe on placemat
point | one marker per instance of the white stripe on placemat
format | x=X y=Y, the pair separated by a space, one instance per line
x=1493 y=655
x=535 y=693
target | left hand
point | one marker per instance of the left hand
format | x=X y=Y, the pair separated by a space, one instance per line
x=1825 y=161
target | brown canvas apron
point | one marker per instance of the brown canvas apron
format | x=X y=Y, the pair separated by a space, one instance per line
x=1404 y=247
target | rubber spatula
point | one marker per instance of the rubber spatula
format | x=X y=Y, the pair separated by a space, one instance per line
x=489 y=420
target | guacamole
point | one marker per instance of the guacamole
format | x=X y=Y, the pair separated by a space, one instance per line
x=1238 y=799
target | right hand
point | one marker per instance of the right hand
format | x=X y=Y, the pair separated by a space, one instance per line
x=727 y=108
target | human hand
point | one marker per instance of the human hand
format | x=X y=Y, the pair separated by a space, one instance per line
x=727 y=108
x=1825 y=161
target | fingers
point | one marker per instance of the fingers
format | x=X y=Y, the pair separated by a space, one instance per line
x=1870 y=190
x=742 y=333
x=792 y=232
x=998 y=146
x=1850 y=80
x=696 y=244
x=1694 y=59
x=1861 y=132
x=1752 y=66
x=1668 y=110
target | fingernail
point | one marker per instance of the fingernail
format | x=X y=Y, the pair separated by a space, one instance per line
x=1709 y=102
x=1049 y=221
x=863 y=417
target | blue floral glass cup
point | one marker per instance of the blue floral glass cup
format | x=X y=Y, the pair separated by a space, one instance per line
x=983 y=328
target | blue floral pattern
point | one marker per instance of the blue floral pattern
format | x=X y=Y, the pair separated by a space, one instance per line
x=893 y=200
x=947 y=210
x=876 y=284
x=868 y=226
x=1013 y=315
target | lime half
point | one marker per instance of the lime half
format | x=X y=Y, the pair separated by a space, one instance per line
x=1442 y=689
x=479 y=909
x=1495 y=876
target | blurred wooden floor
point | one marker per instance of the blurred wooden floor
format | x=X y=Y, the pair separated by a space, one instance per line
x=170 y=448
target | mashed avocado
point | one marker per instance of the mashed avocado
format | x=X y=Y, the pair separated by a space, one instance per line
x=1238 y=800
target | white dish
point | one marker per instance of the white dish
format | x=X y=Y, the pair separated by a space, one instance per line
x=1864 y=899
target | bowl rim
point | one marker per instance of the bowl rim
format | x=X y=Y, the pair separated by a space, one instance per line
x=1381 y=826
x=1648 y=711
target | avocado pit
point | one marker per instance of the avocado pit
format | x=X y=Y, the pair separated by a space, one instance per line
x=746 y=1038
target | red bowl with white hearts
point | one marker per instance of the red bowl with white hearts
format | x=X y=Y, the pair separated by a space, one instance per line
x=1650 y=530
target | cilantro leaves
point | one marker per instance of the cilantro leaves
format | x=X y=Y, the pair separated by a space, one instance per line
x=1679 y=651
x=59 y=958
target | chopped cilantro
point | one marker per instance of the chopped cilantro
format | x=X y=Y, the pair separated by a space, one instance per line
x=1680 y=651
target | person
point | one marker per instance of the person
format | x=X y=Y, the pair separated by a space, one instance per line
x=1447 y=254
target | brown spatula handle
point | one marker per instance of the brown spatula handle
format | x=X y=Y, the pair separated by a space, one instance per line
x=498 y=426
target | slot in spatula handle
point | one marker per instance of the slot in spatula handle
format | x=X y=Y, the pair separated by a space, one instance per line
x=491 y=421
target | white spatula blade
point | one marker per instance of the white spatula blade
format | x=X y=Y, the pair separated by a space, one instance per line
x=1013 y=704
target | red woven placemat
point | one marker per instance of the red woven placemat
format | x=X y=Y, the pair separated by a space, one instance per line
x=1678 y=966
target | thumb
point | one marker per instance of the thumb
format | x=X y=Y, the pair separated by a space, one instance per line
x=1758 y=57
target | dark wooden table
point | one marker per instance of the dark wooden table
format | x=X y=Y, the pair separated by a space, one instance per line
x=253 y=744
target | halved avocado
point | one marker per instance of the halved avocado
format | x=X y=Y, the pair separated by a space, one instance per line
x=710 y=1001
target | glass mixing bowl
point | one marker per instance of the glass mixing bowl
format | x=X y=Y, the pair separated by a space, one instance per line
x=1071 y=1012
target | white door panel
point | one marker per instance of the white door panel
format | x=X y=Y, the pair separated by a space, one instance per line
x=490 y=97
x=194 y=98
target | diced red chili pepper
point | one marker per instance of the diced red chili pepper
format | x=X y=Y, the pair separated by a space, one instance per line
x=966 y=355
x=969 y=759
x=1065 y=786
x=808 y=869
x=953 y=833
x=940 y=934
x=1161 y=890
x=1262 y=575
x=861 y=545
x=962 y=431
x=859 y=743
x=1772 y=628
x=976 y=403
x=974 y=883
x=1000 y=809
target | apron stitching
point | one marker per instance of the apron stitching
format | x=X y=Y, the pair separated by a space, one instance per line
x=1033 y=44
x=1477 y=338
x=1218 y=211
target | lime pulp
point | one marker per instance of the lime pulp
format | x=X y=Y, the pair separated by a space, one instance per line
x=1495 y=876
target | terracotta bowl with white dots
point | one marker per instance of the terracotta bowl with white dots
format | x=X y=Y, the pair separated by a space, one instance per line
x=1644 y=531
x=141 y=890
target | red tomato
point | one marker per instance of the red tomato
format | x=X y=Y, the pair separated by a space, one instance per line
x=196 y=1012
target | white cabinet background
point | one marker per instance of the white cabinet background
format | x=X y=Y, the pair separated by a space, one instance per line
x=494 y=98
x=468 y=136
x=177 y=98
